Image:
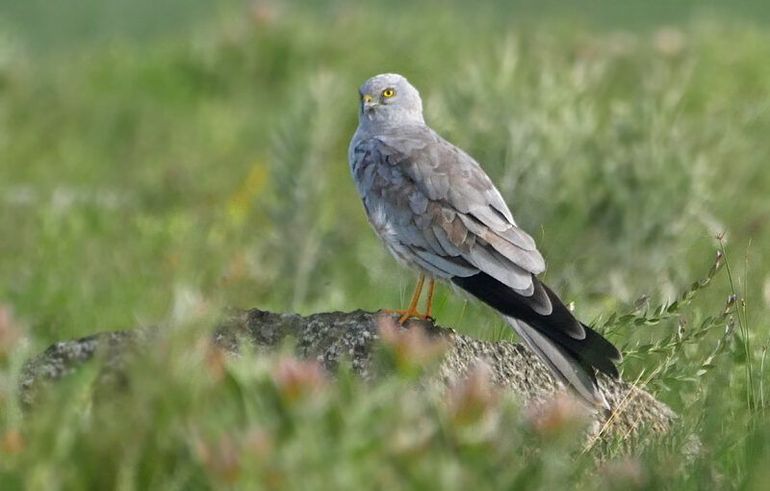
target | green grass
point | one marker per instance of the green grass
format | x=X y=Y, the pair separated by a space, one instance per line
x=165 y=166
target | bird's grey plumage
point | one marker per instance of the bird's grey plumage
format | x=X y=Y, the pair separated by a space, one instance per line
x=437 y=211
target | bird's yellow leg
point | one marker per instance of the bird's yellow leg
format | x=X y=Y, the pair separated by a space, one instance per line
x=429 y=306
x=411 y=311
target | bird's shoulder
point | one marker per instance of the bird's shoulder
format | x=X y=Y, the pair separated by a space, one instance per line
x=397 y=144
x=442 y=170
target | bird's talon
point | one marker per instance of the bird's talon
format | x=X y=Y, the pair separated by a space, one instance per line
x=410 y=315
x=416 y=315
x=405 y=315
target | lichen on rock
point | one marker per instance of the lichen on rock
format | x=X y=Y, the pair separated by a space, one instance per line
x=351 y=337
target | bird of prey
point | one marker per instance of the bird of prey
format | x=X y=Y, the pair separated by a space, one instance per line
x=438 y=212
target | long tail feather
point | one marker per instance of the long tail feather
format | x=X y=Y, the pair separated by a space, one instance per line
x=561 y=363
x=570 y=349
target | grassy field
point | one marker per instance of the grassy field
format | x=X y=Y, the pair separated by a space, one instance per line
x=158 y=163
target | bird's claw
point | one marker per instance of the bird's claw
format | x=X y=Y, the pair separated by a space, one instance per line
x=406 y=314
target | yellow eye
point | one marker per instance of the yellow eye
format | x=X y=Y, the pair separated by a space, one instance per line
x=388 y=93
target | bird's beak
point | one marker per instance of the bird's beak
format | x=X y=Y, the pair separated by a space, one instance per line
x=368 y=102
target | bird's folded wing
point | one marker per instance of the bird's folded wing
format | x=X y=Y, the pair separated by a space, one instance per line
x=459 y=215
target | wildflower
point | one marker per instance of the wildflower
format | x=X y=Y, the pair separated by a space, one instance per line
x=10 y=333
x=472 y=399
x=215 y=360
x=412 y=347
x=221 y=458
x=558 y=416
x=12 y=442
x=626 y=474
x=296 y=379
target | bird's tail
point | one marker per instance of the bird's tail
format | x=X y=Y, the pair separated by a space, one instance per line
x=564 y=365
x=571 y=350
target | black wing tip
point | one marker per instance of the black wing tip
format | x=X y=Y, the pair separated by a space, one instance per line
x=593 y=351
x=602 y=348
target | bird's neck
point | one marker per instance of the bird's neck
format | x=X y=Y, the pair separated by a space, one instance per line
x=376 y=123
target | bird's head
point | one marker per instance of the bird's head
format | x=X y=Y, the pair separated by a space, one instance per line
x=390 y=98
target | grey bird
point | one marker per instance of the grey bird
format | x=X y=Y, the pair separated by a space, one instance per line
x=438 y=212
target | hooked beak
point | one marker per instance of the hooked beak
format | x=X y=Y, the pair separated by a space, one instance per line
x=368 y=102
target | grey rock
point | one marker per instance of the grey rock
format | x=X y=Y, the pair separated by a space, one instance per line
x=335 y=337
x=63 y=358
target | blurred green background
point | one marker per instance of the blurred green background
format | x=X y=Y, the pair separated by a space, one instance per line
x=163 y=159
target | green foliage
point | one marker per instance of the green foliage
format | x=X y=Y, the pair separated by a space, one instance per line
x=200 y=161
